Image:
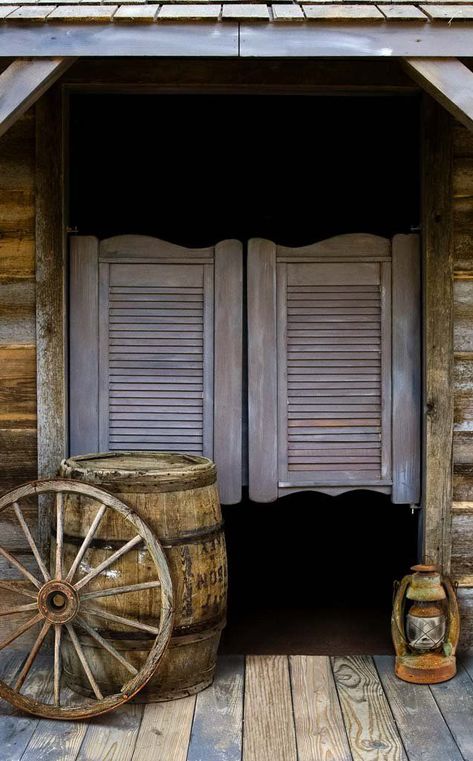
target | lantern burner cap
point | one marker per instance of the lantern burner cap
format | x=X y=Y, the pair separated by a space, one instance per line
x=420 y=568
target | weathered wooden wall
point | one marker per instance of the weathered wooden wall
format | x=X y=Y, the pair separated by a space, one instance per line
x=462 y=506
x=17 y=332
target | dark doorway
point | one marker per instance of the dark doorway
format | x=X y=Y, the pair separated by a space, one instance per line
x=313 y=574
x=195 y=169
x=309 y=573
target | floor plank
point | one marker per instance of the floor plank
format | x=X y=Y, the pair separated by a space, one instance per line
x=370 y=724
x=55 y=741
x=424 y=732
x=217 y=728
x=269 y=733
x=455 y=700
x=113 y=736
x=165 y=731
x=16 y=728
x=320 y=730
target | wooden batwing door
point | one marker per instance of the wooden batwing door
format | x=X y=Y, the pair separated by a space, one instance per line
x=156 y=350
x=334 y=367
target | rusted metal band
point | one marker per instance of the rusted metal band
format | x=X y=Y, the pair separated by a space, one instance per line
x=190 y=537
x=195 y=632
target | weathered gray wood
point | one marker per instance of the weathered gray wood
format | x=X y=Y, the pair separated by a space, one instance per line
x=406 y=369
x=262 y=371
x=217 y=726
x=165 y=730
x=438 y=331
x=424 y=733
x=169 y=39
x=355 y=39
x=228 y=342
x=112 y=736
x=55 y=741
x=83 y=337
x=368 y=719
x=448 y=80
x=23 y=82
x=51 y=274
x=16 y=730
x=386 y=370
x=320 y=731
x=268 y=719
x=455 y=700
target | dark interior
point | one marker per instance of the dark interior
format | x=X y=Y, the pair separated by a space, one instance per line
x=310 y=573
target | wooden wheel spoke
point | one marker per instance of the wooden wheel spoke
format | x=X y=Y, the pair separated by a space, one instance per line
x=21 y=630
x=119 y=619
x=12 y=586
x=107 y=646
x=49 y=599
x=31 y=541
x=57 y=664
x=59 y=534
x=87 y=540
x=31 y=657
x=18 y=609
x=106 y=563
x=85 y=665
x=120 y=590
x=20 y=567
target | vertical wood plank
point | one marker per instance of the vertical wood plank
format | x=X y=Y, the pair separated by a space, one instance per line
x=217 y=727
x=83 y=337
x=424 y=732
x=320 y=730
x=438 y=331
x=228 y=368
x=268 y=719
x=55 y=741
x=112 y=736
x=165 y=730
x=386 y=370
x=50 y=294
x=16 y=730
x=262 y=371
x=455 y=700
x=406 y=369
x=282 y=362
x=370 y=725
x=208 y=421
x=104 y=353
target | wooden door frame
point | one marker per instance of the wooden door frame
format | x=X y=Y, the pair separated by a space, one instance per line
x=51 y=304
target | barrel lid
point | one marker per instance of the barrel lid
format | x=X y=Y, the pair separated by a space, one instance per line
x=167 y=470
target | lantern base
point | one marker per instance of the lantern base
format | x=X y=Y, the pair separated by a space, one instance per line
x=426 y=668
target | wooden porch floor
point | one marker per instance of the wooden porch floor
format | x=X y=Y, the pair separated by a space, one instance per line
x=270 y=708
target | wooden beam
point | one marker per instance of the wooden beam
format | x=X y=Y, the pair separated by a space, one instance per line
x=449 y=81
x=51 y=276
x=302 y=39
x=438 y=331
x=23 y=82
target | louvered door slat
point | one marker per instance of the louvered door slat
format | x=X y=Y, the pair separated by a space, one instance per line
x=158 y=292
x=316 y=410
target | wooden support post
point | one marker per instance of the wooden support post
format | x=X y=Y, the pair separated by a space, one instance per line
x=50 y=294
x=23 y=83
x=438 y=331
x=449 y=81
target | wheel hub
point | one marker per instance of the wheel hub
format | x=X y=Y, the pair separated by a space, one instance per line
x=58 y=601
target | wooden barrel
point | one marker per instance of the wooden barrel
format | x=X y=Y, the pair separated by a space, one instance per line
x=177 y=496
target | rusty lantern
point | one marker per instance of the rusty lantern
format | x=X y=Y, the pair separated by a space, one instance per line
x=425 y=626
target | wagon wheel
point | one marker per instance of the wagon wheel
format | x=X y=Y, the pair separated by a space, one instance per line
x=57 y=602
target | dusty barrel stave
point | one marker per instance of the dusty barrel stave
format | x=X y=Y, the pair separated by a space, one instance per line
x=177 y=496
